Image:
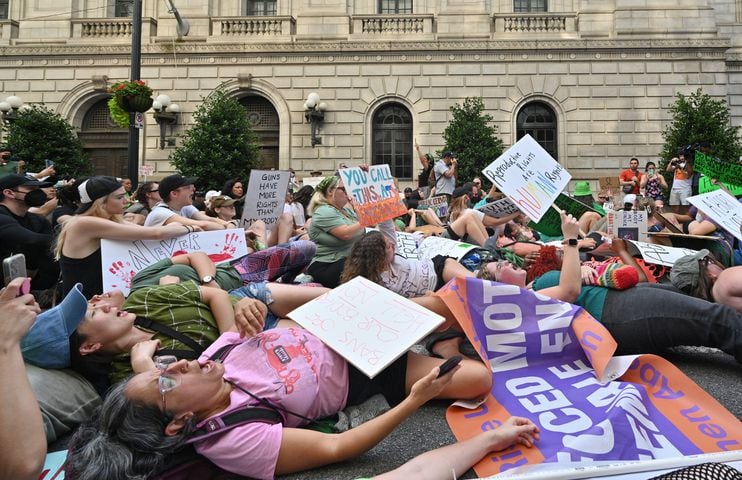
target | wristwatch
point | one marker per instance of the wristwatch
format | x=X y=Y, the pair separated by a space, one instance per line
x=572 y=242
x=207 y=279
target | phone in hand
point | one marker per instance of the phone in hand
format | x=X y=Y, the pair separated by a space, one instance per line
x=449 y=365
x=14 y=267
x=49 y=163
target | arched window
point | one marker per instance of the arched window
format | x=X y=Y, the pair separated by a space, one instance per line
x=539 y=121
x=105 y=143
x=392 y=137
x=263 y=118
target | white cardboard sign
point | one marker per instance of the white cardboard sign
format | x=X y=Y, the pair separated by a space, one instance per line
x=722 y=208
x=366 y=324
x=407 y=245
x=432 y=246
x=121 y=260
x=266 y=194
x=499 y=208
x=529 y=176
x=628 y=225
x=659 y=254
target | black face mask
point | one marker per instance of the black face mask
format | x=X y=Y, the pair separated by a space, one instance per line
x=35 y=198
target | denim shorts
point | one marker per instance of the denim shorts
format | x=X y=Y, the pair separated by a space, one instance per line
x=258 y=291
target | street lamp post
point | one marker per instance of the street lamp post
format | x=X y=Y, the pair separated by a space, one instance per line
x=132 y=165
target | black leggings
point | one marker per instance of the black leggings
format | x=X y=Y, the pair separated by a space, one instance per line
x=328 y=274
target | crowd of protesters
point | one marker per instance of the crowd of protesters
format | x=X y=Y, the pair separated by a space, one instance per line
x=136 y=378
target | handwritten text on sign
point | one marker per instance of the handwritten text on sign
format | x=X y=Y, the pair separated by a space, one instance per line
x=432 y=246
x=438 y=204
x=628 y=225
x=660 y=254
x=123 y=259
x=375 y=198
x=266 y=194
x=714 y=168
x=499 y=208
x=366 y=324
x=529 y=176
x=723 y=209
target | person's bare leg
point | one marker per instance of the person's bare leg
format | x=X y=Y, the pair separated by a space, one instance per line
x=282 y=231
x=453 y=269
x=431 y=218
x=472 y=380
x=587 y=220
x=288 y=297
x=467 y=224
x=437 y=305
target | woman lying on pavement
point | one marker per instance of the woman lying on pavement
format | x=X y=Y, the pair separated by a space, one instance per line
x=288 y=370
x=114 y=325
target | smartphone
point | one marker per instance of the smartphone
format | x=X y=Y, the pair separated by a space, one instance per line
x=449 y=364
x=14 y=267
x=49 y=163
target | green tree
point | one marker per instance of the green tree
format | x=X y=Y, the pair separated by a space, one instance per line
x=700 y=118
x=220 y=144
x=39 y=134
x=472 y=138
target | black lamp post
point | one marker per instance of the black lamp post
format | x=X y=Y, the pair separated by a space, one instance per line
x=166 y=114
x=132 y=165
x=314 y=112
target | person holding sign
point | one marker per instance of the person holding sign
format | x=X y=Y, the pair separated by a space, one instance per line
x=100 y=216
x=289 y=371
x=334 y=228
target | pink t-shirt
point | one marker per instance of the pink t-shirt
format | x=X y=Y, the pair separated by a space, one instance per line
x=291 y=368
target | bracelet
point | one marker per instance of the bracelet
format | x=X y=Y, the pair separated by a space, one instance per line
x=188 y=228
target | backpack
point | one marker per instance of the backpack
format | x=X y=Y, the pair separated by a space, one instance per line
x=187 y=464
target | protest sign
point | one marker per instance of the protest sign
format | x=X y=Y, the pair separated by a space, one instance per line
x=705 y=185
x=718 y=169
x=311 y=181
x=432 y=246
x=366 y=324
x=552 y=362
x=121 y=259
x=609 y=183
x=438 y=203
x=529 y=176
x=407 y=245
x=628 y=224
x=551 y=223
x=375 y=198
x=266 y=194
x=658 y=254
x=499 y=208
x=54 y=466
x=722 y=208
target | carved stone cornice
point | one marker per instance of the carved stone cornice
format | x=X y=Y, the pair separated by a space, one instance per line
x=368 y=52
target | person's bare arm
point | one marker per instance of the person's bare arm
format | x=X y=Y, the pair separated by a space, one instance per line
x=451 y=169
x=202 y=224
x=218 y=300
x=423 y=159
x=22 y=438
x=346 y=232
x=454 y=460
x=618 y=245
x=570 y=278
x=319 y=449
x=93 y=227
x=201 y=263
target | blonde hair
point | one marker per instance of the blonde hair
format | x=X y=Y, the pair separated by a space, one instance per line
x=97 y=209
x=319 y=197
x=457 y=207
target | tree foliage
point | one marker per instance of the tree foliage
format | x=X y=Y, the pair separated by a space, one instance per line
x=700 y=118
x=220 y=145
x=39 y=134
x=472 y=138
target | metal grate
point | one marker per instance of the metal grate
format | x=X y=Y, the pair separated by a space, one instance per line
x=261 y=113
x=97 y=118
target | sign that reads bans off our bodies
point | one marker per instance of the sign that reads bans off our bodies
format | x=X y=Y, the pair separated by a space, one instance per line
x=266 y=194
x=529 y=176
x=375 y=197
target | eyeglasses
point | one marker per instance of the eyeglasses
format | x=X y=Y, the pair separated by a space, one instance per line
x=166 y=382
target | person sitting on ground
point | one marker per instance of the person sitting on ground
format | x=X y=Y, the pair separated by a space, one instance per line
x=223 y=208
x=99 y=217
x=149 y=416
x=460 y=205
x=234 y=188
x=146 y=197
x=176 y=192
x=373 y=257
x=334 y=228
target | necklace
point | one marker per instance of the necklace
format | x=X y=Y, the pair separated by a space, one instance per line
x=270 y=404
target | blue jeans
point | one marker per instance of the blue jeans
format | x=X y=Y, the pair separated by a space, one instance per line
x=259 y=291
x=649 y=318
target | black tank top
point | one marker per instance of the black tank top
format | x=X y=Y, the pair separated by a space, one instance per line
x=82 y=270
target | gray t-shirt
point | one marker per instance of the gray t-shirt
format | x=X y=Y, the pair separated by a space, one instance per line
x=442 y=183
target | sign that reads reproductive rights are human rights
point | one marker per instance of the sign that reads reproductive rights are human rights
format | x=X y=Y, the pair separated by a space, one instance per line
x=529 y=176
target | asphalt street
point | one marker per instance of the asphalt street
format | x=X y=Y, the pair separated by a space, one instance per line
x=717 y=373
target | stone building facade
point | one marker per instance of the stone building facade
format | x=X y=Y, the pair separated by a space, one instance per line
x=590 y=79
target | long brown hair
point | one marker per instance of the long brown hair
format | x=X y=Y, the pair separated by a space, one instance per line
x=366 y=258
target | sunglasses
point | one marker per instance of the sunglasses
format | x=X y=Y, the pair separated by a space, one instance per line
x=166 y=382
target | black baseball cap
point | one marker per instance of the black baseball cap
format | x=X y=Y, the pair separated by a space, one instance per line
x=94 y=188
x=174 y=182
x=13 y=180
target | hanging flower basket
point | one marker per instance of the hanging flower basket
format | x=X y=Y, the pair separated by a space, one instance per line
x=128 y=96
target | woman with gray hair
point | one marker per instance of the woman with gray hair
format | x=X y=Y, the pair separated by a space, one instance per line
x=287 y=371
